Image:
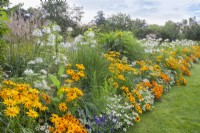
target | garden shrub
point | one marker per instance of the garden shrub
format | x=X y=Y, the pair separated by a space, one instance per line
x=122 y=42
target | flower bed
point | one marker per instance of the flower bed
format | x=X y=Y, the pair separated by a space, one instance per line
x=93 y=92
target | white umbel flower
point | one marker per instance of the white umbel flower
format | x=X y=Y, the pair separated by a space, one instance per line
x=28 y=72
x=37 y=33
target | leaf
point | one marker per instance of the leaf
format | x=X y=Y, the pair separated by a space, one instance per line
x=55 y=81
x=61 y=71
x=55 y=99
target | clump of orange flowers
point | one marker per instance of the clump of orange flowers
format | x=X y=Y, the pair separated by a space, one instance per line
x=157 y=89
x=165 y=77
x=66 y=124
x=76 y=73
x=72 y=93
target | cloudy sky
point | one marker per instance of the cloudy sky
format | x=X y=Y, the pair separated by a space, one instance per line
x=154 y=11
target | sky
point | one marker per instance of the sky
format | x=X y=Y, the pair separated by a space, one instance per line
x=153 y=11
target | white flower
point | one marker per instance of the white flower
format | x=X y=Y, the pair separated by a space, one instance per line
x=90 y=34
x=46 y=30
x=94 y=41
x=64 y=76
x=37 y=32
x=51 y=40
x=92 y=45
x=145 y=80
x=31 y=62
x=124 y=129
x=77 y=39
x=38 y=85
x=46 y=124
x=28 y=72
x=45 y=86
x=38 y=60
x=56 y=28
x=47 y=131
x=43 y=71
x=37 y=128
x=42 y=128
x=65 y=45
x=69 y=29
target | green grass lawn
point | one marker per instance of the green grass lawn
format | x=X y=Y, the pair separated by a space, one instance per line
x=177 y=111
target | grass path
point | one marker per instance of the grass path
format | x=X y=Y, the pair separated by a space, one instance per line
x=177 y=112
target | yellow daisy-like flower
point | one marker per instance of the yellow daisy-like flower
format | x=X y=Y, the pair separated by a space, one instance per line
x=54 y=118
x=12 y=111
x=69 y=81
x=80 y=66
x=137 y=119
x=147 y=106
x=62 y=107
x=9 y=102
x=32 y=113
x=70 y=72
x=81 y=74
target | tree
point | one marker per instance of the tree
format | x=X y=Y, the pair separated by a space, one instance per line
x=170 y=31
x=191 y=29
x=118 y=21
x=138 y=27
x=100 y=19
x=61 y=13
x=4 y=3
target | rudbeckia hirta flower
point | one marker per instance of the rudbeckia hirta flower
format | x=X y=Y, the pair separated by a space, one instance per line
x=62 y=107
x=32 y=113
x=12 y=111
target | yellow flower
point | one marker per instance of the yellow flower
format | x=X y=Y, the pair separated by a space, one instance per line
x=46 y=98
x=12 y=111
x=43 y=108
x=32 y=113
x=70 y=72
x=62 y=107
x=147 y=106
x=137 y=119
x=54 y=118
x=81 y=74
x=69 y=81
x=115 y=84
x=9 y=102
x=121 y=77
x=80 y=66
x=75 y=77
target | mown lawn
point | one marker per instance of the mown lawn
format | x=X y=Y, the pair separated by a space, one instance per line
x=177 y=111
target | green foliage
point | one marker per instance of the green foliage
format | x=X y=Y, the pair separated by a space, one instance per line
x=4 y=3
x=3 y=31
x=101 y=95
x=170 y=31
x=122 y=42
x=55 y=81
x=16 y=59
x=96 y=66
